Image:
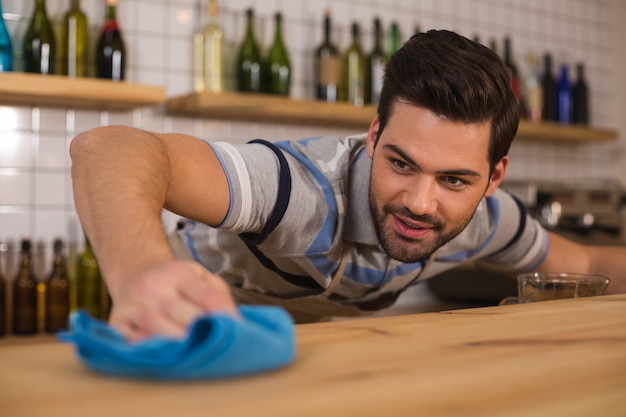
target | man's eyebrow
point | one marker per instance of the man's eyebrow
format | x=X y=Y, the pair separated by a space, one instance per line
x=454 y=172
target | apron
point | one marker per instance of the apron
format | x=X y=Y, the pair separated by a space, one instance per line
x=303 y=309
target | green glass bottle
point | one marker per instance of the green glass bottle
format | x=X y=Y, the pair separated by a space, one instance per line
x=25 y=294
x=208 y=72
x=39 y=42
x=89 y=283
x=6 y=47
x=249 y=62
x=277 y=68
x=57 y=292
x=110 y=50
x=353 y=71
x=375 y=67
x=394 y=38
x=327 y=66
x=75 y=41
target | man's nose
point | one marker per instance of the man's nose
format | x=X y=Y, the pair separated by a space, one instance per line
x=421 y=196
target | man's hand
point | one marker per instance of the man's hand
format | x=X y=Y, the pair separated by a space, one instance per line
x=167 y=298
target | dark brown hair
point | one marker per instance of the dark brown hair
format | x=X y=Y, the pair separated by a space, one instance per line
x=457 y=78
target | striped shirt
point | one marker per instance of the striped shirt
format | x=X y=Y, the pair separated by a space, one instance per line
x=294 y=205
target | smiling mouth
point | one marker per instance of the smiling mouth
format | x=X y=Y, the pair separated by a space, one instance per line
x=411 y=229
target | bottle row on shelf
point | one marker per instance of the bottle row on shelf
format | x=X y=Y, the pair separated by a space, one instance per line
x=39 y=46
x=352 y=75
x=29 y=306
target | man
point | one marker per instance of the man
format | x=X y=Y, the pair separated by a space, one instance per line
x=323 y=226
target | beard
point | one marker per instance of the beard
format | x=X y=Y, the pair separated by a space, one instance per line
x=405 y=249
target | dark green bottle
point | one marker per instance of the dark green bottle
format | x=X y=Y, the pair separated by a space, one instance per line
x=394 y=38
x=110 y=50
x=375 y=67
x=57 y=292
x=353 y=71
x=249 y=61
x=25 y=294
x=89 y=283
x=74 y=46
x=39 y=42
x=277 y=68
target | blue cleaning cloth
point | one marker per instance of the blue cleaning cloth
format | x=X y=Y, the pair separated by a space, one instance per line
x=217 y=346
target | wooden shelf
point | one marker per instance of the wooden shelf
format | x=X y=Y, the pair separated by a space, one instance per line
x=267 y=108
x=17 y=88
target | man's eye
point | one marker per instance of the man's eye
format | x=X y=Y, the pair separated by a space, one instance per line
x=454 y=181
x=399 y=164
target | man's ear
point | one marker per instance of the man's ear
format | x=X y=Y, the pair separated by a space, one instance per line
x=372 y=134
x=497 y=176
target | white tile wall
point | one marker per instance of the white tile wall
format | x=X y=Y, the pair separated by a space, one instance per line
x=35 y=187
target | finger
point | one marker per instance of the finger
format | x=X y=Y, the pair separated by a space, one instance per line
x=137 y=322
x=210 y=292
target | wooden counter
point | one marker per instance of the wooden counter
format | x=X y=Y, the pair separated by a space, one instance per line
x=559 y=358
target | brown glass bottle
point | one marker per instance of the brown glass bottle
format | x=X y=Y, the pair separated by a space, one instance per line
x=3 y=306
x=57 y=292
x=25 y=294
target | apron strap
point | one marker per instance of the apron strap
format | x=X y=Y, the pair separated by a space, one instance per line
x=347 y=248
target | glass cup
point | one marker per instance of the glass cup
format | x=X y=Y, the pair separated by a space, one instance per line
x=538 y=286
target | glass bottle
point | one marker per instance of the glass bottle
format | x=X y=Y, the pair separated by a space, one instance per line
x=25 y=294
x=6 y=48
x=327 y=66
x=207 y=64
x=74 y=46
x=57 y=292
x=3 y=306
x=39 y=42
x=249 y=62
x=110 y=50
x=512 y=67
x=533 y=94
x=277 y=66
x=375 y=67
x=550 y=94
x=353 y=71
x=565 y=96
x=580 y=97
x=394 y=38
x=89 y=283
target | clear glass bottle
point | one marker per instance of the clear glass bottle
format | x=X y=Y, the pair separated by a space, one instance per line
x=25 y=294
x=57 y=292
x=277 y=66
x=39 y=42
x=249 y=61
x=375 y=67
x=353 y=71
x=75 y=42
x=110 y=50
x=533 y=94
x=6 y=47
x=208 y=72
x=327 y=66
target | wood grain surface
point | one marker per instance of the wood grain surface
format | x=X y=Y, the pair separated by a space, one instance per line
x=555 y=358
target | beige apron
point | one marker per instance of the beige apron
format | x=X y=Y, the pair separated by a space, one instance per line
x=305 y=309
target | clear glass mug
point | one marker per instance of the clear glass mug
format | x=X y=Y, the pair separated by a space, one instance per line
x=538 y=286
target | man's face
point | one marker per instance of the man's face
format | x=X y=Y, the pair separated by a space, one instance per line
x=428 y=176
